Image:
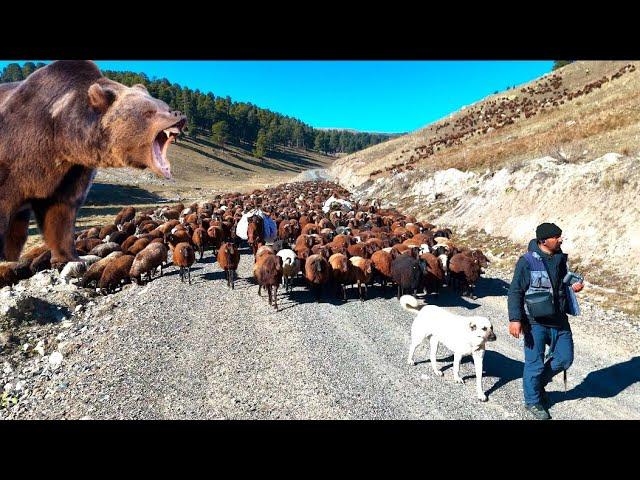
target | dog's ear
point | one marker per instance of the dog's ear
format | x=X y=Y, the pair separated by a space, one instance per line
x=472 y=325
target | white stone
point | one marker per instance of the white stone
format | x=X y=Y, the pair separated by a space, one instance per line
x=8 y=387
x=55 y=360
x=39 y=348
x=20 y=385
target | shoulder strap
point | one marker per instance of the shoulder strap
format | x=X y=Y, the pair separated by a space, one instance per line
x=535 y=263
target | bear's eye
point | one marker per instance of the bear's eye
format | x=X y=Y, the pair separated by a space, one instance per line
x=484 y=328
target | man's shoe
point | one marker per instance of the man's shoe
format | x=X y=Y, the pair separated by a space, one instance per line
x=538 y=411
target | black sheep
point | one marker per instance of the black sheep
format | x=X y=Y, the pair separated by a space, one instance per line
x=406 y=272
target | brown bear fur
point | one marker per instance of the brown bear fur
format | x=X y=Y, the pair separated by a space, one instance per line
x=58 y=126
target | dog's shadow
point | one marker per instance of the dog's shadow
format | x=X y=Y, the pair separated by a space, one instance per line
x=494 y=364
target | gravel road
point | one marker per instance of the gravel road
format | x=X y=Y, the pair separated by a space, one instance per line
x=168 y=350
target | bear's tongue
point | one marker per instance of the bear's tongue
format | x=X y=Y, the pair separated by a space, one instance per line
x=160 y=155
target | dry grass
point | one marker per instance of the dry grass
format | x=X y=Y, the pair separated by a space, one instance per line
x=605 y=120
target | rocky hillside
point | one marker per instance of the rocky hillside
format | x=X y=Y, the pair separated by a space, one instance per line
x=562 y=148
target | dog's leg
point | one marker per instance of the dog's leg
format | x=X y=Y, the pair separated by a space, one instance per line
x=456 y=367
x=412 y=350
x=433 y=350
x=477 y=362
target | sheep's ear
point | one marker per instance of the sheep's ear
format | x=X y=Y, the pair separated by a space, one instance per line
x=472 y=325
x=100 y=99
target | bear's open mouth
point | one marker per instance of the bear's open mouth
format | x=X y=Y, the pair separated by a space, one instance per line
x=161 y=144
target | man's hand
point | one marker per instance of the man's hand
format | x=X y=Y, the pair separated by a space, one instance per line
x=515 y=329
x=577 y=287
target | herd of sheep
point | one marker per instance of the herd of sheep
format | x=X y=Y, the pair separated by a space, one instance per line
x=495 y=114
x=325 y=251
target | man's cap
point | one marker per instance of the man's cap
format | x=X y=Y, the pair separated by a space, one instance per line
x=547 y=230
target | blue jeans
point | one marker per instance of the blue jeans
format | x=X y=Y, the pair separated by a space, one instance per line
x=537 y=372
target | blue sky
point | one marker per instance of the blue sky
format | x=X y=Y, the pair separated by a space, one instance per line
x=373 y=96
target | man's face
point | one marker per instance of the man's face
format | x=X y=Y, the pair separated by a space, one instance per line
x=553 y=243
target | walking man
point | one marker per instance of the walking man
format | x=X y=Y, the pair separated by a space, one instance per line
x=538 y=304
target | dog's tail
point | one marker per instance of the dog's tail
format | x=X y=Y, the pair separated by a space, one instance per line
x=409 y=303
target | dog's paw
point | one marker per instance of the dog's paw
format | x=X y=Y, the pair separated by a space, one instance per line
x=439 y=373
x=411 y=362
x=482 y=398
x=459 y=380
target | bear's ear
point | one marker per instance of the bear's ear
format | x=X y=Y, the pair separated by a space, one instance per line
x=140 y=86
x=100 y=99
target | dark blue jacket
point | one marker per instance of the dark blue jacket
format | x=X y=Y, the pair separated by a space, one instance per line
x=557 y=268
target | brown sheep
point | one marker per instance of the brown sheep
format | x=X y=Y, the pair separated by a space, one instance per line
x=268 y=273
x=34 y=252
x=285 y=231
x=400 y=248
x=41 y=262
x=382 y=267
x=115 y=272
x=321 y=250
x=8 y=275
x=107 y=230
x=310 y=228
x=138 y=246
x=95 y=271
x=374 y=244
x=317 y=271
x=337 y=248
x=432 y=273
x=358 y=250
x=148 y=260
x=105 y=249
x=465 y=272
x=117 y=237
x=200 y=240
x=228 y=259
x=22 y=269
x=216 y=237
x=93 y=232
x=341 y=272
x=264 y=250
x=179 y=236
x=129 y=228
x=128 y=243
x=166 y=227
x=87 y=244
x=184 y=256
x=361 y=274
x=126 y=214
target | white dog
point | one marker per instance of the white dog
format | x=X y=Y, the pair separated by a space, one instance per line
x=462 y=335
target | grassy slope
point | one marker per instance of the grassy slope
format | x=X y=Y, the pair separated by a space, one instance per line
x=605 y=120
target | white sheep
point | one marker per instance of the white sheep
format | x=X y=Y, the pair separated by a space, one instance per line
x=290 y=266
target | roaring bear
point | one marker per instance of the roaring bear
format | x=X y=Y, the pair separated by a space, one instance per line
x=58 y=126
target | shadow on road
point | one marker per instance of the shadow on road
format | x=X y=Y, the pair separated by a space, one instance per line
x=604 y=383
x=491 y=287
